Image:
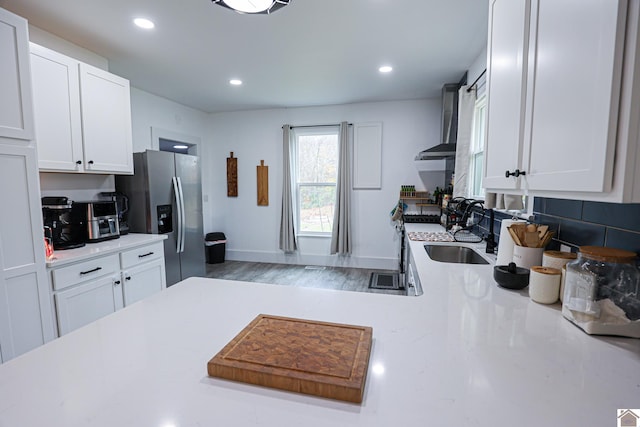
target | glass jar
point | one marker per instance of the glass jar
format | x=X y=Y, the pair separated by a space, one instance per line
x=601 y=292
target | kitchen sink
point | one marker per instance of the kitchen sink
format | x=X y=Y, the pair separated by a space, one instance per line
x=454 y=254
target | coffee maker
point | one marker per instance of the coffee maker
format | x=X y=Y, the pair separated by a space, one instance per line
x=56 y=214
x=122 y=207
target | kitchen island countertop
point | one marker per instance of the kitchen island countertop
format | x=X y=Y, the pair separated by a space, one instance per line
x=465 y=352
x=92 y=250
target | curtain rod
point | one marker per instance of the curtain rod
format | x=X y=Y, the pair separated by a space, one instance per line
x=318 y=126
x=476 y=80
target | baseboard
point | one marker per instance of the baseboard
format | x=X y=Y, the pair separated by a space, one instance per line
x=302 y=259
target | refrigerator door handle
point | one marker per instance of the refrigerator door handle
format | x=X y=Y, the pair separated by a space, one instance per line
x=178 y=196
x=183 y=216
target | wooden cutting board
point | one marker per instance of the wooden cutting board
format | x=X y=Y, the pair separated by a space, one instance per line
x=263 y=184
x=232 y=176
x=304 y=356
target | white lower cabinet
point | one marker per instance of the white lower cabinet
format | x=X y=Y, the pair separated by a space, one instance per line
x=142 y=281
x=86 y=291
x=88 y=302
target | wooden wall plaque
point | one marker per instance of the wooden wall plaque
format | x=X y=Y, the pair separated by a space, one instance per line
x=232 y=176
x=263 y=184
x=304 y=356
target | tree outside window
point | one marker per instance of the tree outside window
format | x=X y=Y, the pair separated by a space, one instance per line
x=316 y=176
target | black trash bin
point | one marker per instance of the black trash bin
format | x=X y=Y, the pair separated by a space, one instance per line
x=215 y=246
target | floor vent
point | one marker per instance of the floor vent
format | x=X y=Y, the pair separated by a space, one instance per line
x=315 y=267
x=384 y=281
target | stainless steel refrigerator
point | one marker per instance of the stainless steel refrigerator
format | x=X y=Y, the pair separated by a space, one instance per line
x=165 y=197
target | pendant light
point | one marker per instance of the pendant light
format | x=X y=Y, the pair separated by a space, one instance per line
x=252 y=6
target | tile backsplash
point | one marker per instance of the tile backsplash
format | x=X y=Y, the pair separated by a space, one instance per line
x=581 y=223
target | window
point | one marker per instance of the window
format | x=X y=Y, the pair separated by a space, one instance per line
x=477 y=149
x=316 y=171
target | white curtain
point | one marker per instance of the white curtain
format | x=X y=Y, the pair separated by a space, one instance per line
x=287 y=222
x=341 y=232
x=466 y=108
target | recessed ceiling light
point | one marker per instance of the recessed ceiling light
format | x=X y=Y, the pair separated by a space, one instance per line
x=180 y=147
x=235 y=82
x=144 y=23
x=385 y=69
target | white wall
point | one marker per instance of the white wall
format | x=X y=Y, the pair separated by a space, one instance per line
x=252 y=231
x=478 y=66
x=51 y=41
x=148 y=110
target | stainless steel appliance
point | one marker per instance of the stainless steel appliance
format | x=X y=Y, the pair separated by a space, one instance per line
x=165 y=197
x=99 y=217
x=122 y=207
x=56 y=216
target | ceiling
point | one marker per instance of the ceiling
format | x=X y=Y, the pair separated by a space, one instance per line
x=312 y=52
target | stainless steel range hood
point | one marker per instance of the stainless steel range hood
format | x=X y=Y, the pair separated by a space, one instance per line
x=439 y=152
x=448 y=127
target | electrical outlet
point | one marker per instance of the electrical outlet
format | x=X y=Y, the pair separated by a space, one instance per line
x=565 y=248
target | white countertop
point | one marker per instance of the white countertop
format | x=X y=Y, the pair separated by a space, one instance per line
x=465 y=352
x=91 y=250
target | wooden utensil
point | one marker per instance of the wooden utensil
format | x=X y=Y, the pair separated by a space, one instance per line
x=532 y=239
x=520 y=230
x=547 y=238
x=542 y=229
x=514 y=235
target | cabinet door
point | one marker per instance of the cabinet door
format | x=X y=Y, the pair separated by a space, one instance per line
x=88 y=302
x=576 y=80
x=16 y=114
x=56 y=103
x=26 y=319
x=142 y=281
x=506 y=87
x=106 y=121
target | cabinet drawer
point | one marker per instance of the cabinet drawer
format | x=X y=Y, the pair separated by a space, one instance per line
x=97 y=267
x=142 y=254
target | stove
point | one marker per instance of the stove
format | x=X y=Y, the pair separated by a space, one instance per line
x=422 y=219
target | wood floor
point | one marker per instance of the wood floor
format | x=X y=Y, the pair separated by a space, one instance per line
x=340 y=278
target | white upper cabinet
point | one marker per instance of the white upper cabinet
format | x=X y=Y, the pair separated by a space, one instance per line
x=106 y=121
x=16 y=118
x=57 y=110
x=562 y=81
x=506 y=68
x=82 y=116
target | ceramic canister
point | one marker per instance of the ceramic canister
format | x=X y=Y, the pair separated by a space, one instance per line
x=557 y=259
x=544 y=284
x=527 y=257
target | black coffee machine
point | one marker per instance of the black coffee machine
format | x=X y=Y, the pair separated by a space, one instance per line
x=56 y=213
x=122 y=207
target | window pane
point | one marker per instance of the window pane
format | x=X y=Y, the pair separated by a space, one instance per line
x=477 y=175
x=316 y=208
x=317 y=158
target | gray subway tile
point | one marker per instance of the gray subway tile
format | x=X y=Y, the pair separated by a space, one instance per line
x=620 y=215
x=564 y=208
x=581 y=233
x=621 y=239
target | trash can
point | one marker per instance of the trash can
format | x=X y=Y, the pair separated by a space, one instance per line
x=215 y=246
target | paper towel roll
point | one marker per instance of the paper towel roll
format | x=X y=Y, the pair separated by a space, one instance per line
x=506 y=244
